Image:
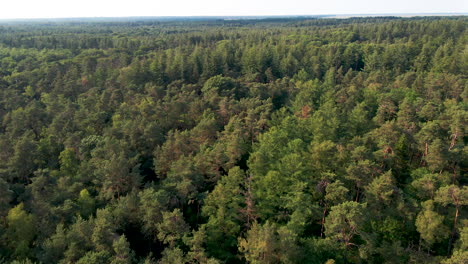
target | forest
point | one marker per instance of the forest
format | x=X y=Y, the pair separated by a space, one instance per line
x=264 y=141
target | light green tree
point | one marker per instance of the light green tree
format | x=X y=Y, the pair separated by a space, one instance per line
x=224 y=207
x=172 y=228
x=455 y=196
x=86 y=203
x=122 y=252
x=345 y=221
x=20 y=231
x=261 y=246
x=430 y=224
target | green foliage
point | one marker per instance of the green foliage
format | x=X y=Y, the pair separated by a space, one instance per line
x=172 y=255
x=152 y=204
x=382 y=189
x=103 y=230
x=225 y=207
x=268 y=244
x=430 y=224
x=276 y=140
x=336 y=193
x=452 y=194
x=68 y=162
x=344 y=221
x=123 y=253
x=172 y=227
x=86 y=203
x=6 y=196
x=20 y=231
x=94 y=257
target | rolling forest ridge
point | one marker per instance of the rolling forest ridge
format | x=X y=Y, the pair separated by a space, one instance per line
x=256 y=140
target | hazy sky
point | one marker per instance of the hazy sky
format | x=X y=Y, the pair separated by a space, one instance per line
x=106 y=8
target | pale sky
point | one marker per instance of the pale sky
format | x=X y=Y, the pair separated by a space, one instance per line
x=117 y=8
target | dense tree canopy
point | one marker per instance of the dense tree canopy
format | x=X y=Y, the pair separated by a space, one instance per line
x=234 y=141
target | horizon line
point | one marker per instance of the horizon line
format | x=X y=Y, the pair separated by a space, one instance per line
x=332 y=15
